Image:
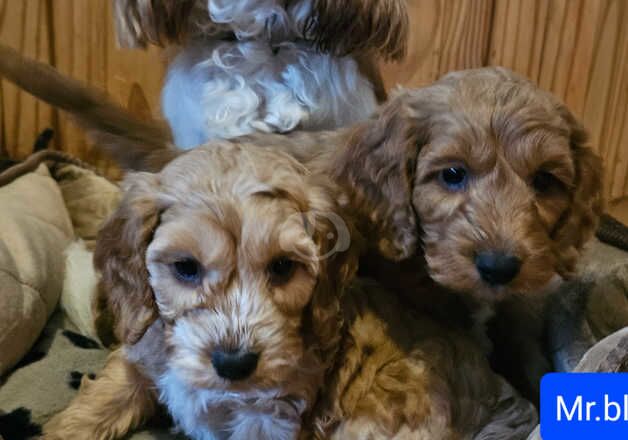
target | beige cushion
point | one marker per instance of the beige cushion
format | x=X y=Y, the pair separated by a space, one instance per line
x=89 y=198
x=34 y=230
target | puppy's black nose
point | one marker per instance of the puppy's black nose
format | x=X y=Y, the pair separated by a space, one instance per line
x=234 y=365
x=497 y=268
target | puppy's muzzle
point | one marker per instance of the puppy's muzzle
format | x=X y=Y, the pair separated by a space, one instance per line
x=497 y=268
x=234 y=365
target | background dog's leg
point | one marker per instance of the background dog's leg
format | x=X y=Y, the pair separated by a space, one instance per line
x=568 y=335
x=107 y=408
x=518 y=346
x=512 y=418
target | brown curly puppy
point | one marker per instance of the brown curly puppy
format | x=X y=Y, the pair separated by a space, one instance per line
x=226 y=273
x=492 y=176
x=226 y=313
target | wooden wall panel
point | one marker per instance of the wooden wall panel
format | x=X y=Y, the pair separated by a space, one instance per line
x=80 y=53
x=86 y=49
x=77 y=37
x=444 y=35
x=607 y=118
x=24 y=25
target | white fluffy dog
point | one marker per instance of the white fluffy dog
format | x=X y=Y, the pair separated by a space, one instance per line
x=266 y=65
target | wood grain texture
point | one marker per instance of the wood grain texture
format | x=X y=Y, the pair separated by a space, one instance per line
x=24 y=25
x=86 y=49
x=77 y=37
x=445 y=35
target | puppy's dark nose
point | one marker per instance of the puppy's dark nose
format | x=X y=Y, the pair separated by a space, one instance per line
x=234 y=365
x=497 y=268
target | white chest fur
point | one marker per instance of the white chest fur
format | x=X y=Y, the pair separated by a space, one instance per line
x=205 y=414
x=225 y=89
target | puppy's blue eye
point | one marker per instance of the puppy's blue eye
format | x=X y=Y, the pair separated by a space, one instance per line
x=454 y=178
x=187 y=270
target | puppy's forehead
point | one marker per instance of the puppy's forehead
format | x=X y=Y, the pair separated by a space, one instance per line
x=509 y=102
x=495 y=110
x=234 y=171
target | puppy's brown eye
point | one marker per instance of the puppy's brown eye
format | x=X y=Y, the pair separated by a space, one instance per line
x=280 y=270
x=187 y=270
x=454 y=178
x=545 y=182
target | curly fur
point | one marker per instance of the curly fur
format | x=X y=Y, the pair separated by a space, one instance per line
x=335 y=27
x=243 y=66
x=401 y=374
x=503 y=129
x=169 y=329
x=266 y=65
x=333 y=362
x=344 y=27
x=225 y=89
x=484 y=118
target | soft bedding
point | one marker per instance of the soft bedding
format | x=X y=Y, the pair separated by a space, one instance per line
x=35 y=228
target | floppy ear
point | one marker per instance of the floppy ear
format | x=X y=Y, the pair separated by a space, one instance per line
x=580 y=221
x=120 y=257
x=343 y=27
x=339 y=245
x=324 y=314
x=377 y=169
x=143 y=22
